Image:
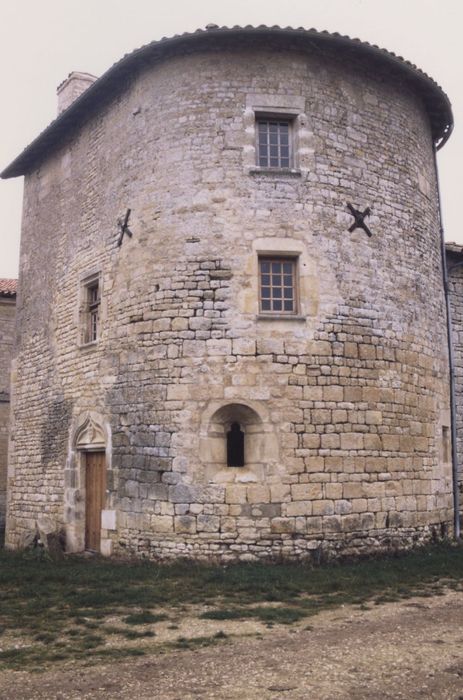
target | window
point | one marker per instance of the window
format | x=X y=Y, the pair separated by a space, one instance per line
x=235 y=446
x=90 y=309
x=445 y=444
x=274 y=143
x=277 y=285
x=93 y=302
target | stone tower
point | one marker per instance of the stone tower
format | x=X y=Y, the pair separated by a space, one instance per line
x=212 y=361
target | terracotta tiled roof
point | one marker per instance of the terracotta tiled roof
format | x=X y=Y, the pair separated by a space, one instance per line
x=118 y=76
x=8 y=288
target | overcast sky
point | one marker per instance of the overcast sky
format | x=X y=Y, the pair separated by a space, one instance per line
x=41 y=41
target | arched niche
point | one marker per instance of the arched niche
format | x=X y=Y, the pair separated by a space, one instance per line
x=260 y=442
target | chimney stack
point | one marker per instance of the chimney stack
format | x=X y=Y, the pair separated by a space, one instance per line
x=70 y=89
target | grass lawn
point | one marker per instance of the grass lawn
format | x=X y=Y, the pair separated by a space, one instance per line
x=90 y=609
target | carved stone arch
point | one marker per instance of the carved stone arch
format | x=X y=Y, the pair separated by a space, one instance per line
x=90 y=432
x=260 y=442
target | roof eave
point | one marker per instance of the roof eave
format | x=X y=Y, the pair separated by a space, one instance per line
x=437 y=102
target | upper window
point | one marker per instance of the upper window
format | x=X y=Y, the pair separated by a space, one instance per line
x=90 y=309
x=93 y=305
x=274 y=143
x=277 y=285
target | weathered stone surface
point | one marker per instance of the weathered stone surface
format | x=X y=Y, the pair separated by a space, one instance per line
x=7 y=329
x=341 y=405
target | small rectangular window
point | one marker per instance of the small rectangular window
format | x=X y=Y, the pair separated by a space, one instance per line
x=445 y=444
x=277 y=285
x=274 y=143
x=89 y=312
x=93 y=306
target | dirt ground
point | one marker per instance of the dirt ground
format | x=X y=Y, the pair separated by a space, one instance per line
x=410 y=649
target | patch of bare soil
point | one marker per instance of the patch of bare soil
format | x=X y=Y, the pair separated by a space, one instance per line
x=409 y=649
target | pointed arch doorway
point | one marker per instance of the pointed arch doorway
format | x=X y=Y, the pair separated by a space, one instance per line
x=87 y=495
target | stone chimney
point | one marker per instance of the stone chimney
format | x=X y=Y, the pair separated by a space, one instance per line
x=71 y=88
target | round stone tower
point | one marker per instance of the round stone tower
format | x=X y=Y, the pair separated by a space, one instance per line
x=232 y=325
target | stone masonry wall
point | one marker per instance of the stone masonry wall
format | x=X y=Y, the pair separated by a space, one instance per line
x=7 y=316
x=455 y=276
x=343 y=406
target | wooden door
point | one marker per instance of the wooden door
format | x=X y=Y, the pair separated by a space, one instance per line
x=95 y=494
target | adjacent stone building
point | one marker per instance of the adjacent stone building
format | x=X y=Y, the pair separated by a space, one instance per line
x=215 y=358
x=454 y=256
x=7 y=315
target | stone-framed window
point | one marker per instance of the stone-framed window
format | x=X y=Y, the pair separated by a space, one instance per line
x=278 y=293
x=278 y=141
x=274 y=147
x=90 y=307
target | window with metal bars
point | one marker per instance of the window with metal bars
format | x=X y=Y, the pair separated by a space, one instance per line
x=93 y=309
x=277 y=285
x=274 y=143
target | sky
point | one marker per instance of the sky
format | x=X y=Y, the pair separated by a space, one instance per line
x=42 y=41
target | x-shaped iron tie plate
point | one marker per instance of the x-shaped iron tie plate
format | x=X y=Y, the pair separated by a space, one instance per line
x=359 y=219
x=124 y=227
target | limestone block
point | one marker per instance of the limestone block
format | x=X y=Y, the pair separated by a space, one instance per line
x=342 y=507
x=228 y=525
x=312 y=393
x=311 y=441
x=320 y=347
x=218 y=347
x=339 y=416
x=372 y=441
x=373 y=417
x=199 y=323
x=258 y=493
x=269 y=346
x=208 y=523
x=367 y=352
x=244 y=346
x=351 y=350
x=179 y=323
x=178 y=392
x=283 y=525
x=324 y=507
x=330 y=441
x=333 y=393
x=353 y=490
x=359 y=505
x=298 y=508
x=235 y=493
x=306 y=492
x=279 y=493
x=314 y=464
x=333 y=491
x=352 y=441
x=332 y=523
x=321 y=416
x=108 y=519
x=350 y=523
x=185 y=524
x=181 y=493
x=194 y=348
x=106 y=547
x=162 y=523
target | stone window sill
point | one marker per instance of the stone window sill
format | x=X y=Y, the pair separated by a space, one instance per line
x=288 y=172
x=280 y=317
x=88 y=346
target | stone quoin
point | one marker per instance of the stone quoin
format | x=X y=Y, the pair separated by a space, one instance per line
x=214 y=360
